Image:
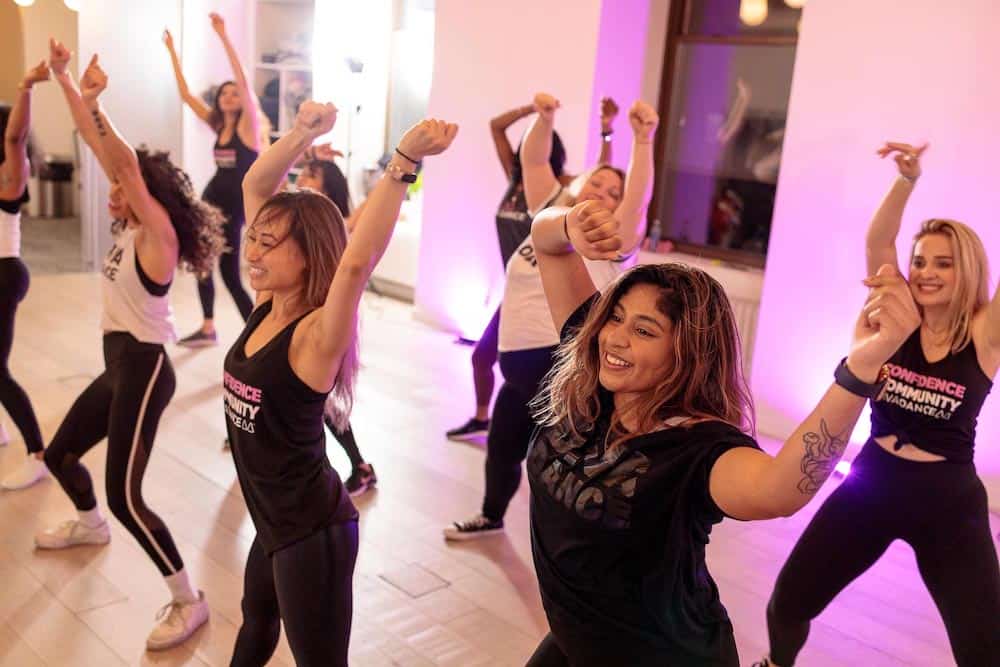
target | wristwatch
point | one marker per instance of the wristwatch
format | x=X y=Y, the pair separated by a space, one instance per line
x=849 y=381
x=396 y=173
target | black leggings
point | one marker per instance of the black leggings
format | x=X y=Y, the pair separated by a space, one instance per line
x=308 y=587
x=512 y=425
x=124 y=404
x=14 y=282
x=346 y=440
x=229 y=267
x=939 y=509
x=484 y=357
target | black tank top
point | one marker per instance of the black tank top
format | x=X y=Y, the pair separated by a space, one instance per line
x=13 y=206
x=513 y=221
x=232 y=161
x=933 y=405
x=275 y=426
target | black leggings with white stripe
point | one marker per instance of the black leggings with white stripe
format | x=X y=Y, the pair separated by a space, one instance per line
x=124 y=404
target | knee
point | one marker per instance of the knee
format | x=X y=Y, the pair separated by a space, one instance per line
x=118 y=504
x=260 y=617
x=53 y=460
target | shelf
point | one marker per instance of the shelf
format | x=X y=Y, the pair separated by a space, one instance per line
x=281 y=67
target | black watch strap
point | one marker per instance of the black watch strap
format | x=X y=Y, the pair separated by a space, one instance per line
x=849 y=381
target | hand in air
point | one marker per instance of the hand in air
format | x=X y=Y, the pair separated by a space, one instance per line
x=593 y=231
x=643 y=119
x=39 y=72
x=218 y=24
x=888 y=318
x=168 y=39
x=609 y=110
x=59 y=56
x=428 y=137
x=906 y=156
x=546 y=105
x=93 y=82
x=315 y=118
x=326 y=152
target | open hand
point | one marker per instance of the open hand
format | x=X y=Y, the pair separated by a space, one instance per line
x=906 y=156
x=609 y=110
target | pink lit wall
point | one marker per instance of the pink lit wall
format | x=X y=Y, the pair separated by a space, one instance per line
x=488 y=58
x=866 y=72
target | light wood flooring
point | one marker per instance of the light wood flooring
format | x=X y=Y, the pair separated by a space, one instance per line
x=418 y=601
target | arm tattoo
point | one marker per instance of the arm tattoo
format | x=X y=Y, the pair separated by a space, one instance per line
x=823 y=450
x=99 y=123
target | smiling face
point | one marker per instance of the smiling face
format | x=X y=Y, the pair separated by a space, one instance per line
x=604 y=186
x=228 y=99
x=275 y=262
x=933 y=277
x=635 y=345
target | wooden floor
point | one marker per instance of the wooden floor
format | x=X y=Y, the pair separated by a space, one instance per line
x=418 y=601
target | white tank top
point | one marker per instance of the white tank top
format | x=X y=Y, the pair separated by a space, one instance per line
x=10 y=234
x=128 y=305
x=525 y=320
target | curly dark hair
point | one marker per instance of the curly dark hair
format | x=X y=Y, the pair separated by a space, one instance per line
x=198 y=224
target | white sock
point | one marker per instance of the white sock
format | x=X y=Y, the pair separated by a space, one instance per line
x=180 y=587
x=91 y=518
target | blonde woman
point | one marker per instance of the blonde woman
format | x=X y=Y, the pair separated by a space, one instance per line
x=915 y=479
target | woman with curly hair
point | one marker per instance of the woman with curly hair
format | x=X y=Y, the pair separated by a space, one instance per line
x=160 y=223
x=14 y=279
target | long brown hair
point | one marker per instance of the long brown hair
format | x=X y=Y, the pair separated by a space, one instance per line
x=705 y=381
x=972 y=289
x=217 y=118
x=316 y=225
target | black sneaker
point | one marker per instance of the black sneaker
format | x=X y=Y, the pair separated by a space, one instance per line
x=199 y=339
x=470 y=429
x=477 y=526
x=361 y=480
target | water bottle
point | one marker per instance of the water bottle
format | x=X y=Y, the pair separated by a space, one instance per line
x=654 y=235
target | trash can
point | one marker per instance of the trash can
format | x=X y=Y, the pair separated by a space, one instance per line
x=55 y=178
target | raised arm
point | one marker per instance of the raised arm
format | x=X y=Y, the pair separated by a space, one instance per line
x=498 y=129
x=14 y=169
x=59 y=57
x=562 y=237
x=195 y=103
x=538 y=177
x=880 y=244
x=749 y=484
x=268 y=173
x=609 y=110
x=738 y=112
x=249 y=124
x=332 y=333
x=160 y=257
x=631 y=212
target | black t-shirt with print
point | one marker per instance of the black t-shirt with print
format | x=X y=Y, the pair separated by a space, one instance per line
x=618 y=539
x=513 y=221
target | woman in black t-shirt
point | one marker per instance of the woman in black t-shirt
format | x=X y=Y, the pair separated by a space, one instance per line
x=301 y=344
x=642 y=448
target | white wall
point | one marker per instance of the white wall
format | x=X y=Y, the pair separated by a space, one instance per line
x=488 y=58
x=53 y=132
x=932 y=85
x=140 y=98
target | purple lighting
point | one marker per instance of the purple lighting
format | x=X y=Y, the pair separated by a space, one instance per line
x=843 y=468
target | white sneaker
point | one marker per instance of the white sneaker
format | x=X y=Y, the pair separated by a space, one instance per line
x=177 y=621
x=71 y=534
x=31 y=470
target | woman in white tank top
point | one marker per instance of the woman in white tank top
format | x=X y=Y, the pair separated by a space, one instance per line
x=14 y=279
x=159 y=223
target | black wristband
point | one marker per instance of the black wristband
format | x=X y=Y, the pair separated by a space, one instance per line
x=408 y=157
x=849 y=381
